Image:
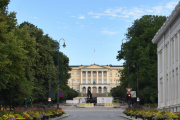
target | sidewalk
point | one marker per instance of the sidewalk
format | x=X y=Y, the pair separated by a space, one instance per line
x=72 y=107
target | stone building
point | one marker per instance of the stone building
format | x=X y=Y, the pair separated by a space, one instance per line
x=100 y=79
x=168 y=51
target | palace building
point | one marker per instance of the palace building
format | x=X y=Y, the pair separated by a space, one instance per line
x=168 y=51
x=100 y=79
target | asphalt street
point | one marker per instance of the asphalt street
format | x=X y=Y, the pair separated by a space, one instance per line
x=93 y=113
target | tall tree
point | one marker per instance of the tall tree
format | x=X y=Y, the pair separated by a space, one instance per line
x=139 y=51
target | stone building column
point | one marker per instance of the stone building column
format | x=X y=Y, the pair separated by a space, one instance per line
x=81 y=77
x=107 y=77
x=91 y=77
x=97 y=76
x=178 y=39
x=169 y=57
x=102 y=77
x=159 y=96
x=86 y=78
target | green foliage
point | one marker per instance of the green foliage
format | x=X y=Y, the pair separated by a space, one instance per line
x=141 y=52
x=27 y=60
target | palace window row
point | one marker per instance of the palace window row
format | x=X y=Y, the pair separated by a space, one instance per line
x=100 y=74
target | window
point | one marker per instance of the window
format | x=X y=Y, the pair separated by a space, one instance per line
x=89 y=81
x=77 y=80
x=72 y=81
x=94 y=81
x=105 y=81
x=72 y=74
x=110 y=80
x=94 y=74
x=78 y=88
x=99 y=74
x=84 y=81
x=77 y=74
x=116 y=74
x=110 y=74
x=99 y=81
x=89 y=74
x=83 y=74
x=104 y=74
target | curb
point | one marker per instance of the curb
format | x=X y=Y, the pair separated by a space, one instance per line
x=57 y=118
x=129 y=118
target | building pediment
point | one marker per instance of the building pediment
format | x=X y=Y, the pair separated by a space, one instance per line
x=94 y=66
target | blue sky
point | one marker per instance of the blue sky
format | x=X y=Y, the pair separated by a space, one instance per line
x=88 y=25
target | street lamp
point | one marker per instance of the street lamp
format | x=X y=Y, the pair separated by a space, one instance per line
x=58 y=72
x=128 y=67
x=137 y=78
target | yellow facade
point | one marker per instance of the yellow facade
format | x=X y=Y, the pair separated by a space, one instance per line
x=99 y=79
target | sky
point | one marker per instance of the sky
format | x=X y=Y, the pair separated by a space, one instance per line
x=93 y=30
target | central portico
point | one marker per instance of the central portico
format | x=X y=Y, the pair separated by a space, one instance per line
x=99 y=79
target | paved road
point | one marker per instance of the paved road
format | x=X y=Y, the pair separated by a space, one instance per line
x=94 y=113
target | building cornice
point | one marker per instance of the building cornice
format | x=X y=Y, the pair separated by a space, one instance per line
x=98 y=65
x=167 y=23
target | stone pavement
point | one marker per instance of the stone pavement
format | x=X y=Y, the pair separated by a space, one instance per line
x=72 y=107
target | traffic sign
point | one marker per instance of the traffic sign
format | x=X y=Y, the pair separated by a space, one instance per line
x=138 y=99
x=128 y=90
x=133 y=94
x=61 y=95
x=49 y=99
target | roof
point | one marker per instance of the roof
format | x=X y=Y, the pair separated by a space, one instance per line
x=97 y=65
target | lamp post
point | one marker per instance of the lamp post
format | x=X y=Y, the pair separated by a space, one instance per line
x=129 y=101
x=137 y=79
x=58 y=72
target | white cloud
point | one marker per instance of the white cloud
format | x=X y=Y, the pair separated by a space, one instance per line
x=171 y=5
x=136 y=12
x=35 y=17
x=73 y=16
x=81 y=17
x=108 y=32
x=96 y=16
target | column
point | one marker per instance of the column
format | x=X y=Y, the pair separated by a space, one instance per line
x=159 y=97
x=81 y=77
x=170 y=69
x=169 y=55
x=86 y=78
x=178 y=39
x=91 y=77
x=163 y=75
x=102 y=77
x=97 y=76
x=102 y=90
x=107 y=76
x=174 y=67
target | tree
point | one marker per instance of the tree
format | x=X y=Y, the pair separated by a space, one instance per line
x=27 y=57
x=140 y=51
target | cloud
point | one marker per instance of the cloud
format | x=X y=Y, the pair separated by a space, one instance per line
x=108 y=32
x=96 y=16
x=171 y=5
x=73 y=16
x=136 y=12
x=34 y=18
x=81 y=17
